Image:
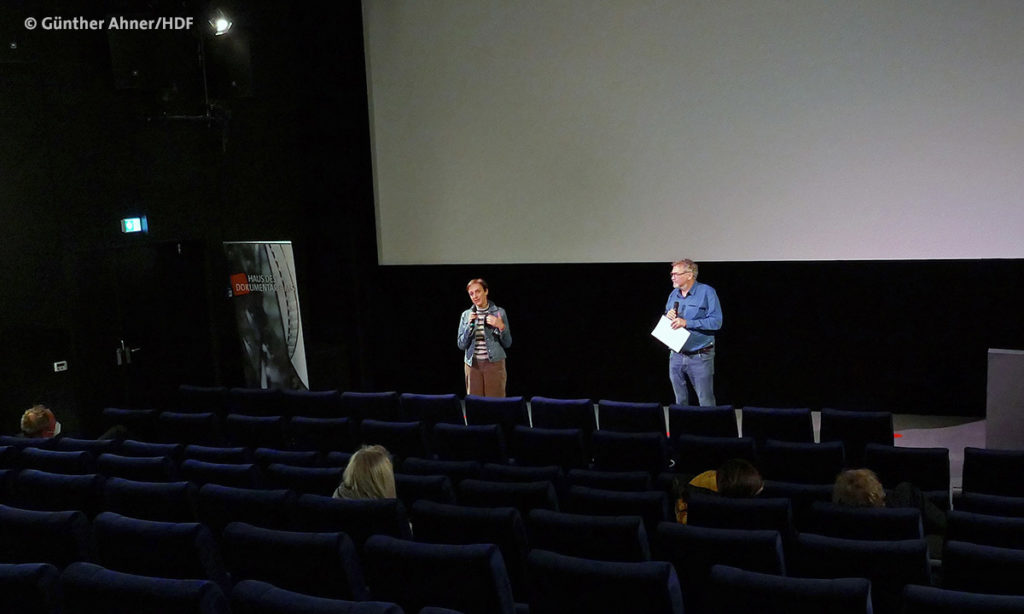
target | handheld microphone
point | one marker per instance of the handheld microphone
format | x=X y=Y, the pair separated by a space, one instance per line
x=675 y=307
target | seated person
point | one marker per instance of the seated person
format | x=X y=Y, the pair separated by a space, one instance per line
x=736 y=478
x=39 y=422
x=369 y=475
x=862 y=488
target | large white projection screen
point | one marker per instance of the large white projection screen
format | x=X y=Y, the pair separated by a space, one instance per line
x=542 y=131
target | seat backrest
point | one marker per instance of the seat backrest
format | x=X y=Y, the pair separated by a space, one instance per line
x=372 y=405
x=217 y=454
x=162 y=501
x=193 y=398
x=993 y=472
x=142 y=468
x=552 y=413
x=737 y=591
x=693 y=551
x=440 y=523
x=413 y=488
x=699 y=453
x=543 y=446
x=889 y=565
x=856 y=429
x=509 y=412
x=255 y=401
x=264 y=457
x=140 y=423
x=239 y=475
x=982 y=569
x=995 y=505
x=613 y=451
x=184 y=550
x=784 y=424
x=706 y=510
x=131 y=447
x=717 y=421
x=801 y=462
x=201 y=428
x=877 y=523
x=57 y=461
x=609 y=480
x=933 y=600
x=323 y=434
x=602 y=538
x=517 y=473
x=57 y=538
x=926 y=468
x=402 y=439
x=984 y=529
x=312 y=403
x=484 y=443
x=455 y=470
x=95 y=446
x=255 y=597
x=92 y=589
x=430 y=408
x=560 y=583
x=41 y=490
x=652 y=505
x=30 y=588
x=626 y=417
x=524 y=496
x=255 y=431
x=358 y=518
x=304 y=480
x=219 y=505
x=468 y=578
x=323 y=564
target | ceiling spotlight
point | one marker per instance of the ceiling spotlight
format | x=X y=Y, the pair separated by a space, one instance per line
x=220 y=24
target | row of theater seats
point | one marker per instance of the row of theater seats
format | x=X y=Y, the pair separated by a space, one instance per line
x=87 y=588
x=854 y=428
x=543 y=562
x=634 y=461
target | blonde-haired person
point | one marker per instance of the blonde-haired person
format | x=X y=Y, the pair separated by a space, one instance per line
x=862 y=488
x=369 y=475
x=39 y=422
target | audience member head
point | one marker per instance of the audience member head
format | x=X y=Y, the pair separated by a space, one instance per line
x=38 y=421
x=858 y=488
x=738 y=478
x=369 y=475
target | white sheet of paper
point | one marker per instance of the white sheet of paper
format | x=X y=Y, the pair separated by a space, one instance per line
x=672 y=337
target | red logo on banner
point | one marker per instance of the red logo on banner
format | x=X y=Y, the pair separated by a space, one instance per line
x=239 y=284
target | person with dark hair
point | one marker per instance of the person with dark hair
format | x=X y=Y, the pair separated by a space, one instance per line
x=483 y=337
x=736 y=478
x=694 y=306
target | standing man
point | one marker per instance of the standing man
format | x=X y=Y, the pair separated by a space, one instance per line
x=483 y=337
x=695 y=307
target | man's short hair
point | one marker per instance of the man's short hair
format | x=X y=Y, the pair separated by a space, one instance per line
x=478 y=280
x=38 y=421
x=690 y=265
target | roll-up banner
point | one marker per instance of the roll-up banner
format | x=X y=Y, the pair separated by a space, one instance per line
x=263 y=289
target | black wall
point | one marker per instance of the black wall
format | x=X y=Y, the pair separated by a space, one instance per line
x=76 y=154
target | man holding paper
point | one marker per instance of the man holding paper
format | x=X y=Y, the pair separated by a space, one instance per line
x=693 y=306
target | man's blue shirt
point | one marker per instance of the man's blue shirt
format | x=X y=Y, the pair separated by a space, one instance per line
x=702 y=312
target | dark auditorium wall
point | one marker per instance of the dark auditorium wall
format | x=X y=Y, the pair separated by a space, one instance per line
x=77 y=154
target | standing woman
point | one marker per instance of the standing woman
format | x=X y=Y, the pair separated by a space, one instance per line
x=484 y=336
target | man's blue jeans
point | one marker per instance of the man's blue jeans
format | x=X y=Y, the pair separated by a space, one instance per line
x=700 y=368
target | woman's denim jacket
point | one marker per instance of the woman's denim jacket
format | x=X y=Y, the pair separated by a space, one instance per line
x=496 y=340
